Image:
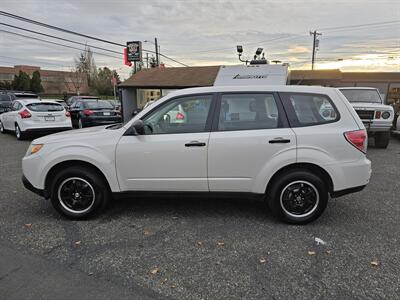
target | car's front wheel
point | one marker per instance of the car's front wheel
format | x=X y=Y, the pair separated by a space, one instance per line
x=298 y=197
x=79 y=193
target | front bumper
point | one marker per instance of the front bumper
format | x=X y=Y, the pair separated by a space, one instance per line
x=375 y=126
x=29 y=186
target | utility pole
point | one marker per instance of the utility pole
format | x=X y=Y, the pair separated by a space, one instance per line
x=147 y=60
x=315 y=46
x=156 y=46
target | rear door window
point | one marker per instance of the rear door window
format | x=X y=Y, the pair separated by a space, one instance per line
x=309 y=109
x=45 y=107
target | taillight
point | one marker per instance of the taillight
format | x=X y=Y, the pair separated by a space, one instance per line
x=25 y=114
x=67 y=114
x=358 y=139
x=377 y=114
x=88 y=112
x=180 y=116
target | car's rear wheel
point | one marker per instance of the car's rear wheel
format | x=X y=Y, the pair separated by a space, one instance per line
x=382 y=139
x=80 y=123
x=18 y=133
x=79 y=193
x=2 y=130
x=298 y=197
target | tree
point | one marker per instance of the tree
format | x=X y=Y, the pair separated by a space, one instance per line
x=102 y=84
x=36 y=83
x=85 y=64
x=76 y=78
x=6 y=85
x=21 y=82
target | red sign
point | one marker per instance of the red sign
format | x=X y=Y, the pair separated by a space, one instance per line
x=126 y=61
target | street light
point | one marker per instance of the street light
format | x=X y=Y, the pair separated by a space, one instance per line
x=239 y=49
x=259 y=51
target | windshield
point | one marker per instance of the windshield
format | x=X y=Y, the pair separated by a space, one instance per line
x=98 y=105
x=42 y=107
x=357 y=95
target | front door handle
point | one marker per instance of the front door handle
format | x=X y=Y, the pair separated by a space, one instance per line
x=279 y=141
x=195 y=144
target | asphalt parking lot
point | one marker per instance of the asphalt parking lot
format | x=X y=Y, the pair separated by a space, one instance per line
x=180 y=248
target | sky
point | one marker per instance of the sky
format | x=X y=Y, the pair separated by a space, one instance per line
x=200 y=33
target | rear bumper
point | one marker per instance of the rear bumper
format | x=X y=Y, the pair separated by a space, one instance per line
x=347 y=176
x=101 y=121
x=30 y=187
x=47 y=129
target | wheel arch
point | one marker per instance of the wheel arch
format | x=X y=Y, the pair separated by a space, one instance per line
x=313 y=168
x=70 y=163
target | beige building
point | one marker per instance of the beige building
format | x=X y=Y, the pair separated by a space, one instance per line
x=53 y=82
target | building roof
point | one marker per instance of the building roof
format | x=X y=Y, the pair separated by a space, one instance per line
x=182 y=77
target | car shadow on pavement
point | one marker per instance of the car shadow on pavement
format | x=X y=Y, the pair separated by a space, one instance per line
x=189 y=206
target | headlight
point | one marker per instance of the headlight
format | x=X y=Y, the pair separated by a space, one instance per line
x=386 y=115
x=34 y=148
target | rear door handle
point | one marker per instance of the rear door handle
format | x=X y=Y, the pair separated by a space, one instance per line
x=279 y=141
x=195 y=144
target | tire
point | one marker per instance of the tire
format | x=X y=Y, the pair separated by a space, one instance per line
x=80 y=123
x=382 y=139
x=89 y=192
x=2 y=130
x=19 y=134
x=287 y=198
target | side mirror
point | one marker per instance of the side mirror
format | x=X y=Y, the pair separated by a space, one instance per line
x=138 y=125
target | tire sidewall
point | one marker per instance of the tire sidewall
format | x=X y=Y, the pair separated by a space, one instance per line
x=98 y=184
x=18 y=130
x=287 y=178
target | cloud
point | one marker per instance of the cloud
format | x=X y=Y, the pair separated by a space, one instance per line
x=207 y=32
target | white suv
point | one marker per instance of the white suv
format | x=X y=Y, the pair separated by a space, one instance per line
x=269 y=141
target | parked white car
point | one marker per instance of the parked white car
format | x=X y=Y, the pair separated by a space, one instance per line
x=376 y=116
x=32 y=115
x=268 y=141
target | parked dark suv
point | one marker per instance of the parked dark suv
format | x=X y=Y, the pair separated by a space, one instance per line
x=86 y=113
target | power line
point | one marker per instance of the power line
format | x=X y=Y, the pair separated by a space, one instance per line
x=9 y=15
x=59 y=38
x=54 y=43
x=359 y=25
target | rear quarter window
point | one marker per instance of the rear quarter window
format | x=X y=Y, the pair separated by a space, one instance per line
x=304 y=109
